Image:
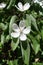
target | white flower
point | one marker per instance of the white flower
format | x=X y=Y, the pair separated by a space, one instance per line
x=2 y=5
x=22 y=7
x=21 y=31
x=40 y=13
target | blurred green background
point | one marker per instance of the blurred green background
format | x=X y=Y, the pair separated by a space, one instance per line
x=12 y=53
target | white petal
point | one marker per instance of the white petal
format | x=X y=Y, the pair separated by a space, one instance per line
x=17 y=7
x=27 y=30
x=23 y=37
x=15 y=27
x=15 y=35
x=2 y=5
x=22 y=24
x=26 y=6
x=20 y=5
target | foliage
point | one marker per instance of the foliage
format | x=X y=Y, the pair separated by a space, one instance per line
x=13 y=51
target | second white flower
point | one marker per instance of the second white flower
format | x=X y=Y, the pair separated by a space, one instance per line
x=22 y=7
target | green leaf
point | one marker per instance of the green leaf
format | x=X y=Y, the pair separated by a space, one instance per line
x=7 y=38
x=10 y=62
x=11 y=3
x=3 y=26
x=34 y=22
x=15 y=62
x=14 y=44
x=34 y=14
x=0 y=45
x=38 y=37
x=35 y=44
x=42 y=33
x=37 y=63
x=25 y=49
x=41 y=21
x=2 y=38
x=28 y=20
x=13 y=19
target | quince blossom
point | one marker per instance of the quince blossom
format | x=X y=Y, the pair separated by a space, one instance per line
x=21 y=31
x=22 y=7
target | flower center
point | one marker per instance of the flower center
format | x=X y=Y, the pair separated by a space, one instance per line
x=21 y=30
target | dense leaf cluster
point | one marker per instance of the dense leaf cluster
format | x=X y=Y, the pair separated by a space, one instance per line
x=13 y=51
